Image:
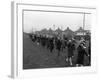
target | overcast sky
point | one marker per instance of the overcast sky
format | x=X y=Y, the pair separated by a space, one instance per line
x=38 y=20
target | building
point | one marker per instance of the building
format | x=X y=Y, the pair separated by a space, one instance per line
x=68 y=33
x=58 y=31
x=82 y=32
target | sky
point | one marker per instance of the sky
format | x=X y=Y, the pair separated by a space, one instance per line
x=36 y=20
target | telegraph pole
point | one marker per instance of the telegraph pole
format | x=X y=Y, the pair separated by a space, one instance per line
x=83 y=22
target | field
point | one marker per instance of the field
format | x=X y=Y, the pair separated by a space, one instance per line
x=36 y=56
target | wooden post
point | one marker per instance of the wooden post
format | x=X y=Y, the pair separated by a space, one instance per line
x=83 y=22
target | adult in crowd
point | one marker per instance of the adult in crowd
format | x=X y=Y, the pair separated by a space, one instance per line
x=81 y=52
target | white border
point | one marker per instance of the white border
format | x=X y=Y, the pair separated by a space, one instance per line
x=17 y=54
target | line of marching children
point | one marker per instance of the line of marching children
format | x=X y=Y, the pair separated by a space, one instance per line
x=60 y=44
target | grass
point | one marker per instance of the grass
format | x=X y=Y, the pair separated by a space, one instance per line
x=36 y=56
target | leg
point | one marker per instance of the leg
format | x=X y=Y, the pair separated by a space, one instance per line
x=70 y=60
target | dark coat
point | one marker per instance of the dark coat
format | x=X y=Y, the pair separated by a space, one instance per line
x=51 y=44
x=58 y=45
x=71 y=48
x=81 y=53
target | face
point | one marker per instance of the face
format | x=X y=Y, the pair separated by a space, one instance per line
x=69 y=40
